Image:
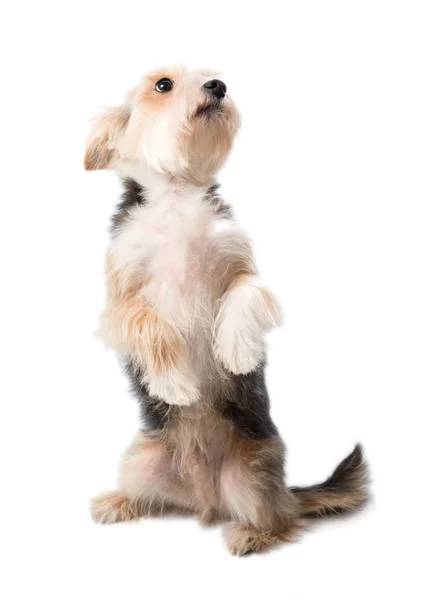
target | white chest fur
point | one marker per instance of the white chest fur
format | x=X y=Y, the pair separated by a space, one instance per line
x=166 y=243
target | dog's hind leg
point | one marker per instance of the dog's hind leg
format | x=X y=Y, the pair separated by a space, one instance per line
x=254 y=494
x=113 y=507
x=147 y=485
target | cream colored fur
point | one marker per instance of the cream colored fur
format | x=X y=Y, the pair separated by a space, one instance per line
x=187 y=309
x=184 y=297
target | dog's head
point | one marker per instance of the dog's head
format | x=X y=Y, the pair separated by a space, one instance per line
x=181 y=123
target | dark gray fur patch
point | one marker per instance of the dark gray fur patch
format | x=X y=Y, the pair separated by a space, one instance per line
x=221 y=208
x=248 y=408
x=153 y=411
x=133 y=195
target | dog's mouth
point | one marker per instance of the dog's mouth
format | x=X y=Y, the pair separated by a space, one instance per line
x=210 y=109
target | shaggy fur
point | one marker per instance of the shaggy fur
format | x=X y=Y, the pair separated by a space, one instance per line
x=187 y=313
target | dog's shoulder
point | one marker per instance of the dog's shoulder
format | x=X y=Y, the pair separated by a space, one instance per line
x=133 y=196
x=220 y=208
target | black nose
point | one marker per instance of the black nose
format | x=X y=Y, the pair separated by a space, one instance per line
x=216 y=87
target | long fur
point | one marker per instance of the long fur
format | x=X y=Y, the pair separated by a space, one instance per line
x=187 y=314
x=344 y=491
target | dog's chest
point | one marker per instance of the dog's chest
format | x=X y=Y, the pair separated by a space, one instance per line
x=167 y=241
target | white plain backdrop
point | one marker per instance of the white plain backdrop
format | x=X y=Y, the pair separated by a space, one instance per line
x=338 y=176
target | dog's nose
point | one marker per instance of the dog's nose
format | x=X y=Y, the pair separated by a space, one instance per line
x=216 y=87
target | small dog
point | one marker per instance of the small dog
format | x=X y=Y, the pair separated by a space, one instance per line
x=187 y=314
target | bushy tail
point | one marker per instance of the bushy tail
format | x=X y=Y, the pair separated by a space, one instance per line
x=345 y=490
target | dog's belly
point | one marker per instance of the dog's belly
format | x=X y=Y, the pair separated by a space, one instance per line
x=180 y=289
x=184 y=467
x=176 y=283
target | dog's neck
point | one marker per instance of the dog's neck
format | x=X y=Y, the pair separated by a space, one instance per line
x=162 y=183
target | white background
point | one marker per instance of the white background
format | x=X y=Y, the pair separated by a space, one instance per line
x=338 y=176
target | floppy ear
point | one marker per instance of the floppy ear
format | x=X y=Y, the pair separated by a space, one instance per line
x=105 y=133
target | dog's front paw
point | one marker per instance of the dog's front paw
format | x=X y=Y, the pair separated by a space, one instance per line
x=246 y=314
x=238 y=351
x=175 y=387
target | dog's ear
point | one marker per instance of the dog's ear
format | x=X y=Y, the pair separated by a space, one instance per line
x=106 y=131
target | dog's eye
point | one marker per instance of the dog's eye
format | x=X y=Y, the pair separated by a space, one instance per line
x=164 y=85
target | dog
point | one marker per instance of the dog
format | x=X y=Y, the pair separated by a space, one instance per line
x=187 y=314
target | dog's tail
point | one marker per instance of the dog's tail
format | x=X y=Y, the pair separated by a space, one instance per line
x=345 y=490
